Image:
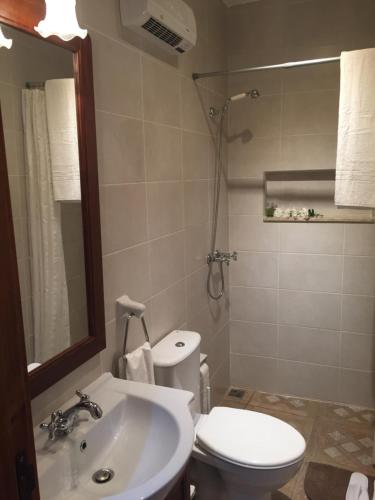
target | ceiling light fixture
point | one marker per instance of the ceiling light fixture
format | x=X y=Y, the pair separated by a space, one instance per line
x=61 y=20
x=5 y=42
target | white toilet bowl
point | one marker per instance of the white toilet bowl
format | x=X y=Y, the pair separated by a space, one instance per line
x=239 y=454
x=244 y=455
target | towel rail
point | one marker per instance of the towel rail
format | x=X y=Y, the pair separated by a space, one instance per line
x=128 y=317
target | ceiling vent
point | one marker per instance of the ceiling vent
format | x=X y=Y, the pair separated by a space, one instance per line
x=169 y=23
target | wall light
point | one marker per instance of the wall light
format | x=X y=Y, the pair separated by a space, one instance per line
x=5 y=42
x=61 y=20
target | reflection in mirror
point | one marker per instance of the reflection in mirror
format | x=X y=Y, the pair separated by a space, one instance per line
x=37 y=93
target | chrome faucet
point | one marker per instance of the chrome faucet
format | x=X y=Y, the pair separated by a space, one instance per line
x=62 y=423
x=222 y=257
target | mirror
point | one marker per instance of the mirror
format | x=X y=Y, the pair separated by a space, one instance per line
x=46 y=102
x=41 y=144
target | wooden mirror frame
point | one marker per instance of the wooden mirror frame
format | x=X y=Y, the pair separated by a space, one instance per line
x=24 y=15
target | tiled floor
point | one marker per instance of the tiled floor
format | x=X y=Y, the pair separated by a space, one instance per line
x=336 y=434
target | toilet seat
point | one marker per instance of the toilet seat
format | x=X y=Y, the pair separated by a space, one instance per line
x=249 y=439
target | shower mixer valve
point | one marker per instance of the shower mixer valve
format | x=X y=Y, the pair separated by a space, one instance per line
x=223 y=257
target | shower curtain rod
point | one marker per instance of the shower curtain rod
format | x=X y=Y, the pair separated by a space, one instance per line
x=197 y=76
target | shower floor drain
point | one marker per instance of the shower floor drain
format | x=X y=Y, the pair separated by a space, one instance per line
x=102 y=476
x=236 y=393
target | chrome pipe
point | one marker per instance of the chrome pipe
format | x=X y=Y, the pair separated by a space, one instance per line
x=287 y=65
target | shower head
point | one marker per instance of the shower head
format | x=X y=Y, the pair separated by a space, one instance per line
x=253 y=93
x=213 y=112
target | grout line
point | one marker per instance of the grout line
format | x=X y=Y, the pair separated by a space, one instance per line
x=298 y=362
x=297 y=290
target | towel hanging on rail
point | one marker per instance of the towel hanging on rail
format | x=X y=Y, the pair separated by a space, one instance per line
x=355 y=168
x=138 y=365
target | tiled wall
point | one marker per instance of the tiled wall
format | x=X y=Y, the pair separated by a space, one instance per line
x=156 y=151
x=302 y=295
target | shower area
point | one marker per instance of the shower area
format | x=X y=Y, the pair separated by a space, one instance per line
x=301 y=292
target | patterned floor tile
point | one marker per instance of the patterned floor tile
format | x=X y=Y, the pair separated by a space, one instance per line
x=295 y=406
x=343 y=444
x=347 y=413
x=303 y=424
x=229 y=403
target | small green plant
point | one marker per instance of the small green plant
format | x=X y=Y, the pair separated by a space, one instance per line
x=270 y=211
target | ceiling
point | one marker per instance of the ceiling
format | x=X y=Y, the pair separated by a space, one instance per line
x=231 y=3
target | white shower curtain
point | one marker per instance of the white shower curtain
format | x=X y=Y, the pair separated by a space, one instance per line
x=48 y=278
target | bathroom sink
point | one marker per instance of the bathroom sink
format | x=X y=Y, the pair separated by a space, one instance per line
x=145 y=437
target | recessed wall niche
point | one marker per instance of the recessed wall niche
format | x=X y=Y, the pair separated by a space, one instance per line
x=314 y=190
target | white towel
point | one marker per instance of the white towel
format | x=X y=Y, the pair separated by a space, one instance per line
x=33 y=366
x=355 y=168
x=139 y=365
x=357 y=488
x=63 y=136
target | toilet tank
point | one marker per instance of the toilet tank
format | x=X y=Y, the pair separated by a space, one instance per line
x=177 y=361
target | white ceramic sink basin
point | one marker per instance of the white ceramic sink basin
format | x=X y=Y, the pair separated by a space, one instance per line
x=145 y=436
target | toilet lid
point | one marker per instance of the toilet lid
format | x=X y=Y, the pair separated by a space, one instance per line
x=249 y=438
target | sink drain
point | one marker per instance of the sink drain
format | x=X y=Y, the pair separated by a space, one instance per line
x=102 y=476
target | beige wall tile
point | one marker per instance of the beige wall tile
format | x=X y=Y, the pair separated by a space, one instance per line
x=255 y=270
x=251 y=371
x=312 y=238
x=309 y=345
x=256 y=339
x=253 y=304
x=196 y=155
x=309 y=152
x=260 y=117
x=359 y=275
x=123 y=212
x=196 y=202
x=197 y=297
x=314 y=381
x=193 y=106
x=126 y=272
x=358 y=351
x=165 y=208
x=317 y=310
x=161 y=93
x=166 y=255
x=120 y=149
x=317 y=77
x=318 y=273
x=168 y=310
x=245 y=200
x=358 y=314
x=218 y=349
x=311 y=112
x=196 y=247
x=162 y=152
x=250 y=156
x=360 y=239
x=117 y=90
x=251 y=233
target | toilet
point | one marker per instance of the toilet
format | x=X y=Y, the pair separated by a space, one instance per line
x=238 y=454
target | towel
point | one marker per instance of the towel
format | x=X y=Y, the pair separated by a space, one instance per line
x=138 y=365
x=33 y=366
x=358 y=487
x=355 y=168
x=63 y=137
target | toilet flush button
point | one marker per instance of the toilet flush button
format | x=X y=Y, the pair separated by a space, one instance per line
x=180 y=344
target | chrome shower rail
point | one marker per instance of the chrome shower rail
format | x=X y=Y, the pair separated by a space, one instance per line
x=288 y=65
